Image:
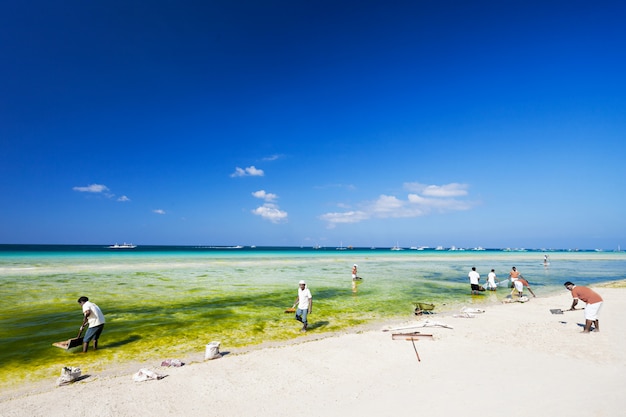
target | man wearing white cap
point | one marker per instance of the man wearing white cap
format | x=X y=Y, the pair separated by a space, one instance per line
x=354 y=267
x=304 y=300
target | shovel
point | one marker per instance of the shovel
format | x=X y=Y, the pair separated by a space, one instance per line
x=560 y=311
x=70 y=343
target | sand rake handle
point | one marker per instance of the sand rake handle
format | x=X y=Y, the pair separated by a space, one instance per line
x=415 y=348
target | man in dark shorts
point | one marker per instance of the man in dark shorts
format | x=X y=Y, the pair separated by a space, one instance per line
x=474 y=278
x=93 y=316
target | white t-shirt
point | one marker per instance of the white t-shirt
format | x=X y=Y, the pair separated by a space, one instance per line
x=96 y=318
x=474 y=277
x=304 y=295
x=492 y=278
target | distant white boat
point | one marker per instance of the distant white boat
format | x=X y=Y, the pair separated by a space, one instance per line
x=225 y=247
x=123 y=246
x=397 y=247
x=341 y=247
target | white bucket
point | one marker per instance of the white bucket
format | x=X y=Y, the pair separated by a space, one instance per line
x=212 y=351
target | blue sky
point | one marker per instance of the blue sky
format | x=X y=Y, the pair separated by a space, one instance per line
x=370 y=123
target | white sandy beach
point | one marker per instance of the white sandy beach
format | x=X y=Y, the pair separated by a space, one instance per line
x=514 y=359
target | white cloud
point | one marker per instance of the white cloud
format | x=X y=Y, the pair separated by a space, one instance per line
x=158 y=211
x=271 y=212
x=441 y=204
x=449 y=190
x=424 y=200
x=269 y=197
x=100 y=189
x=272 y=157
x=387 y=204
x=93 y=188
x=250 y=171
x=346 y=217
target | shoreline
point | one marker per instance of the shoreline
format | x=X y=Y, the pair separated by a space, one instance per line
x=487 y=357
x=483 y=300
x=173 y=304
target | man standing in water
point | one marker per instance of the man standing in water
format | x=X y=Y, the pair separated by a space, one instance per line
x=491 y=280
x=304 y=301
x=93 y=316
x=474 y=278
x=514 y=275
x=592 y=309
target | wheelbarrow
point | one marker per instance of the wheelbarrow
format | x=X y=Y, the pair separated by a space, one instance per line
x=423 y=308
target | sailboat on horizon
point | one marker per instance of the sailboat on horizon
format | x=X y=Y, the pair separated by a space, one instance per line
x=397 y=247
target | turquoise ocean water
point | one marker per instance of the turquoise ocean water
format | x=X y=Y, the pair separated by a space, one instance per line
x=165 y=302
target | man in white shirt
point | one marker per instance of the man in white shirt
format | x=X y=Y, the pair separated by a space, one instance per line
x=474 y=278
x=304 y=301
x=93 y=316
x=491 y=280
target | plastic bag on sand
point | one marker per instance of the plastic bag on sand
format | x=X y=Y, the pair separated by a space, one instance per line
x=172 y=362
x=465 y=315
x=471 y=310
x=146 y=375
x=68 y=374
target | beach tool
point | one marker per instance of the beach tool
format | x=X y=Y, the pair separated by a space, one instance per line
x=415 y=349
x=421 y=308
x=559 y=311
x=409 y=335
x=70 y=343
x=428 y=323
x=290 y=310
x=402 y=328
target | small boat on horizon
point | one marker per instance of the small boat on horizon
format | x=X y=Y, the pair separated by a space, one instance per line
x=397 y=247
x=123 y=246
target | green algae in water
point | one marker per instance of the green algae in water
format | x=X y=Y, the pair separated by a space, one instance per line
x=165 y=306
